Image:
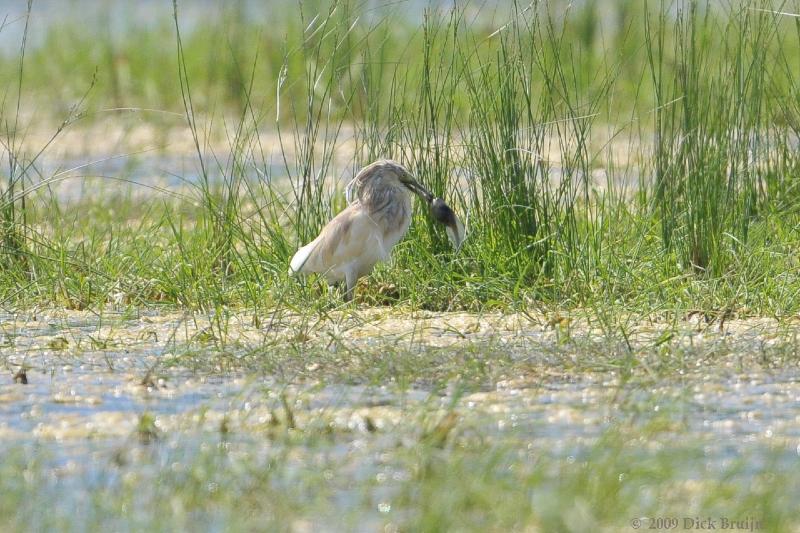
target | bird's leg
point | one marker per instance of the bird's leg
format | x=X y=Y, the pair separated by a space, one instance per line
x=351 y=280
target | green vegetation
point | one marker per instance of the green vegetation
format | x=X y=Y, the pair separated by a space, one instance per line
x=624 y=163
x=413 y=439
x=467 y=486
x=534 y=126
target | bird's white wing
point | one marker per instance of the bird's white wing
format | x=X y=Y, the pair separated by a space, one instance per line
x=350 y=237
x=300 y=257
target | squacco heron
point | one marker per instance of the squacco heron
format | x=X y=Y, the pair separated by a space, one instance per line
x=364 y=233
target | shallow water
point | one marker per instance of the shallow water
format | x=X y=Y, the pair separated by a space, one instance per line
x=91 y=377
x=93 y=380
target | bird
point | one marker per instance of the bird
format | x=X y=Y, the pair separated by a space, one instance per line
x=376 y=219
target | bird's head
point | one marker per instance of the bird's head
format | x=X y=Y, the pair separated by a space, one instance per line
x=382 y=174
x=414 y=186
x=374 y=180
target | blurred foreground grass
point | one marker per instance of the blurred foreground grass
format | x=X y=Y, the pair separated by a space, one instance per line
x=447 y=422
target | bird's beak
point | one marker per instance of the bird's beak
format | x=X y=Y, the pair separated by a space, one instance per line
x=417 y=188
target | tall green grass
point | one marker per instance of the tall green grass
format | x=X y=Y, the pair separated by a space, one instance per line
x=714 y=138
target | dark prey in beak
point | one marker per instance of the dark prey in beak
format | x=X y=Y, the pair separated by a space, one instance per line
x=441 y=212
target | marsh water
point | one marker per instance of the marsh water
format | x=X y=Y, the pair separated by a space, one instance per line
x=159 y=390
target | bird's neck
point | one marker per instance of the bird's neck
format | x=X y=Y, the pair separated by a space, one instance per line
x=390 y=206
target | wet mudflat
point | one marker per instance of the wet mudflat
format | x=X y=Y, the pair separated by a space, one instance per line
x=373 y=419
